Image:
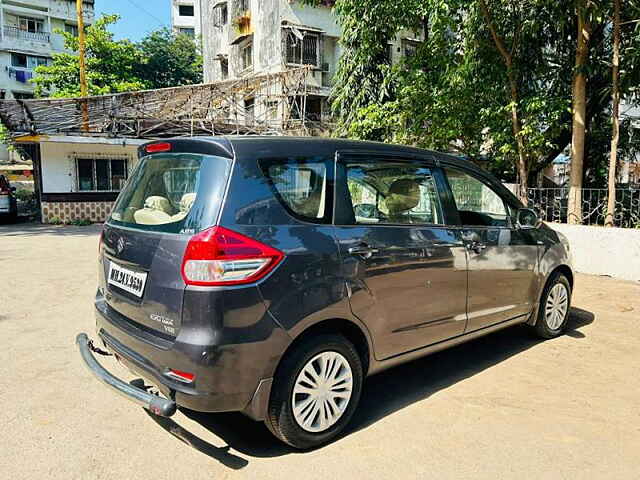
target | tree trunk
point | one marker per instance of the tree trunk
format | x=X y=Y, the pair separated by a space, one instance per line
x=615 y=120
x=522 y=165
x=574 y=213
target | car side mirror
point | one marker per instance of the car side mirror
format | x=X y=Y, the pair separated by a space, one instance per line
x=527 y=218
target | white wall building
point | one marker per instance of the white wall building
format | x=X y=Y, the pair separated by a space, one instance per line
x=27 y=39
x=185 y=17
x=251 y=37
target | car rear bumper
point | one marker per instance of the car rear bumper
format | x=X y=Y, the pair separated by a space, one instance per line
x=155 y=404
x=228 y=377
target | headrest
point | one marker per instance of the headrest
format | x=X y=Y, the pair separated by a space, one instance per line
x=148 y=216
x=186 y=202
x=158 y=203
x=404 y=194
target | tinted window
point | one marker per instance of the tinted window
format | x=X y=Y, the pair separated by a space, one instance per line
x=185 y=10
x=300 y=183
x=477 y=203
x=396 y=193
x=164 y=190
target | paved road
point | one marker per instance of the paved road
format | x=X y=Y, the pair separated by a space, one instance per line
x=505 y=406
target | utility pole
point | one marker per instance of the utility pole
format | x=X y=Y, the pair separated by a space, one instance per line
x=83 y=66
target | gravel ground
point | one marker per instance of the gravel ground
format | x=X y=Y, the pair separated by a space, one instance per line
x=504 y=406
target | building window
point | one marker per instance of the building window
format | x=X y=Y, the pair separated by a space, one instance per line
x=224 y=68
x=247 y=55
x=101 y=174
x=185 y=10
x=409 y=47
x=243 y=5
x=220 y=15
x=249 y=111
x=72 y=29
x=33 y=25
x=27 y=61
x=187 y=31
x=302 y=50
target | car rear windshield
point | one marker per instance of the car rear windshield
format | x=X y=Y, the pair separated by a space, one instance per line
x=173 y=193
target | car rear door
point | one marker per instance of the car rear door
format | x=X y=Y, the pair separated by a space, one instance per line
x=169 y=197
x=502 y=258
x=405 y=269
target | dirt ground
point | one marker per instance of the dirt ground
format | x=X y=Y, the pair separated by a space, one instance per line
x=504 y=406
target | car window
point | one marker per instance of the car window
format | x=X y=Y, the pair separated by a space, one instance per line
x=393 y=193
x=478 y=204
x=301 y=185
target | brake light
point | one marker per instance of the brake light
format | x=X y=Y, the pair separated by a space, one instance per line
x=158 y=147
x=219 y=256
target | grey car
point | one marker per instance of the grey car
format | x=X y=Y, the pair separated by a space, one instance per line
x=271 y=276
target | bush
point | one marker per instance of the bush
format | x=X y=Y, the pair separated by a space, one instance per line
x=56 y=221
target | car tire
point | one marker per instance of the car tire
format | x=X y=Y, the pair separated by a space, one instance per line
x=554 y=308
x=335 y=352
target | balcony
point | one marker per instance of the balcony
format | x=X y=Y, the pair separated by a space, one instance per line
x=17 y=32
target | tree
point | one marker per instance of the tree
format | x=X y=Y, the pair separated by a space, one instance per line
x=112 y=65
x=579 y=99
x=161 y=59
x=615 y=115
x=169 y=60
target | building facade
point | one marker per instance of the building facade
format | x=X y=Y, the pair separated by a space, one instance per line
x=242 y=38
x=185 y=17
x=28 y=39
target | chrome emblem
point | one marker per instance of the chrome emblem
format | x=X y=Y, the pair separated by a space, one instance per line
x=120 y=245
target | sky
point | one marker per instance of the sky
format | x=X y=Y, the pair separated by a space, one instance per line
x=138 y=17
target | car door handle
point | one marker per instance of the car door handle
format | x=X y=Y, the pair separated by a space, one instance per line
x=476 y=247
x=363 y=251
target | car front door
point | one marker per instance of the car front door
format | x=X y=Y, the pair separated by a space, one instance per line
x=502 y=257
x=405 y=268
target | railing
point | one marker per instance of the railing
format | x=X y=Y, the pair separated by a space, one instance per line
x=17 y=32
x=552 y=205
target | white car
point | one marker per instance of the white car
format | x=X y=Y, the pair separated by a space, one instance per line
x=8 y=204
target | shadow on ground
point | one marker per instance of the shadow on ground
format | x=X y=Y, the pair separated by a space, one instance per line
x=26 y=229
x=383 y=394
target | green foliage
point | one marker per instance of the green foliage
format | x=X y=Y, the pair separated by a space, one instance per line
x=111 y=64
x=454 y=93
x=169 y=60
x=160 y=60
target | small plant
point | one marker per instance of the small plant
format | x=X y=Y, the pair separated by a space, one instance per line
x=56 y=221
x=25 y=195
x=80 y=222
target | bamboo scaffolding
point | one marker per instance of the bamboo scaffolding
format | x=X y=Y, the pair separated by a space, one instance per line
x=205 y=109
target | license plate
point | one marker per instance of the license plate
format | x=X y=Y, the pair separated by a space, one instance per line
x=127 y=280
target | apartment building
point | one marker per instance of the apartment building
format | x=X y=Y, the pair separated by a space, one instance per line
x=241 y=38
x=27 y=39
x=185 y=17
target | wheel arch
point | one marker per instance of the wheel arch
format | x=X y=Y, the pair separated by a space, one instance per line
x=565 y=270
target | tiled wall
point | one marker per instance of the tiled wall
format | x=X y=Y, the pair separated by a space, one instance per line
x=70 y=211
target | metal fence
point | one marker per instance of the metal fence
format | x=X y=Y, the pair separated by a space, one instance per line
x=552 y=205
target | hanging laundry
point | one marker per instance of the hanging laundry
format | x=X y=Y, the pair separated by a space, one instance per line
x=21 y=76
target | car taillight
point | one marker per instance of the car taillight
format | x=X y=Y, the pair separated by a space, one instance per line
x=219 y=256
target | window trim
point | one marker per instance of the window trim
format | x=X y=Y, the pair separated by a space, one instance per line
x=341 y=190
x=184 y=5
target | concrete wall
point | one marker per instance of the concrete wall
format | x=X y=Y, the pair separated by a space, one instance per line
x=604 y=251
x=58 y=162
